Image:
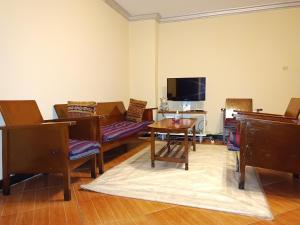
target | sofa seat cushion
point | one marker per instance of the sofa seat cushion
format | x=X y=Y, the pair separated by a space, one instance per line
x=122 y=129
x=79 y=149
x=233 y=143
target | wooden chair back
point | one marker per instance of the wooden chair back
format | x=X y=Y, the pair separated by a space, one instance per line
x=242 y=104
x=293 y=109
x=20 y=112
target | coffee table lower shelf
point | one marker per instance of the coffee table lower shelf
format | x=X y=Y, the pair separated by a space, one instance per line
x=173 y=151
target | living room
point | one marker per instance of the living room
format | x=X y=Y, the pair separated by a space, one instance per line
x=56 y=51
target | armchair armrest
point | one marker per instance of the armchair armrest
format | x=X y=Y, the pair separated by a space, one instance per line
x=37 y=144
x=256 y=113
x=261 y=116
x=72 y=119
x=153 y=108
x=148 y=114
x=38 y=125
x=83 y=127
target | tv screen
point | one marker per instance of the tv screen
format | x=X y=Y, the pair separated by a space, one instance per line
x=186 y=89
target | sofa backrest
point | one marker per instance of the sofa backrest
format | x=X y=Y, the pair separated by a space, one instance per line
x=20 y=112
x=111 y=111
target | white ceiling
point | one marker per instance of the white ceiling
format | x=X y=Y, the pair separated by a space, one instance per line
x=185 y=9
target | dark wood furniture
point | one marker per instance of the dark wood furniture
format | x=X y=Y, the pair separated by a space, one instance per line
x=108 y=112
x=232 y=104
x=268 y=140
x=200 y=115
x=271 y=143
x=32 y=145
x=292 y=111
x=173 y=151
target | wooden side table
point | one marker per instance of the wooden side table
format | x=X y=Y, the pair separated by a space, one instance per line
x=173 y=150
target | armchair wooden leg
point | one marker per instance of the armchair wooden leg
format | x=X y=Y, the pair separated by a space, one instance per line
x=242 y=177
x=93 y=167
x=6 y=186
x=237 y=162
x=67 y=185
x=100 y=162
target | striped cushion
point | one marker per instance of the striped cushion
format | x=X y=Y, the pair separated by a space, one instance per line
x=122 y=129
x=135 y=110
x=233 y=143
x=81 y=109
x=79 y=149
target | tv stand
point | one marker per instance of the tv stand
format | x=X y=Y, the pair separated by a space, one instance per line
x=200 y=115
x=195 y=111
x=192 y=111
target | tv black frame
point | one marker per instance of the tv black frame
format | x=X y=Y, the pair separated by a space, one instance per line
x=185 y=99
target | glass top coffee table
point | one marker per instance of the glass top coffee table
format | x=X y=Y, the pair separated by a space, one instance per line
x=174 y=150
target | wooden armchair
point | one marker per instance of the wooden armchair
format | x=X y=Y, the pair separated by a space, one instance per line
x=32 y=145
x=232 y=104
x=271 y=143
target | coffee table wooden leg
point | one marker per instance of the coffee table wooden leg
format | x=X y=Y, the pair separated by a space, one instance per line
x=152 y=148
x=194 y=138
x=168 y=141
x=186 y=150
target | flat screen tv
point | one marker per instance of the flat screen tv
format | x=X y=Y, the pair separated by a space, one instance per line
x=186 y=89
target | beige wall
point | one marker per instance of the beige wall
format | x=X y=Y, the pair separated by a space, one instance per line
x=248 y=55
x=143 y=60
x=58 y=50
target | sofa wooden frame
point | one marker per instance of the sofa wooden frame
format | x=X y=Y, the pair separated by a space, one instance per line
x=108 y=113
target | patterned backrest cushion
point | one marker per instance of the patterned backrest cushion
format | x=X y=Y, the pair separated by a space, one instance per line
x=135 y=110
x=81 y=109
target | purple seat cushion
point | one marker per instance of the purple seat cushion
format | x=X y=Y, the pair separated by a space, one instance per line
x=79 y=149
x=122 y=129
x=233 y=143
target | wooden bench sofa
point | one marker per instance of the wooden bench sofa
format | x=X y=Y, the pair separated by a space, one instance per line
x=113 y=130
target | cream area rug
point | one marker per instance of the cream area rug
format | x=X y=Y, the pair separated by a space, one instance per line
x=211 y=182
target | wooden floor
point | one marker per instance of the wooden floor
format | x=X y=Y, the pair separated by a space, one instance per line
x=40 y=201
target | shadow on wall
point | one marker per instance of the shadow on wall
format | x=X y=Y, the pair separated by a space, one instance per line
x=54 y=115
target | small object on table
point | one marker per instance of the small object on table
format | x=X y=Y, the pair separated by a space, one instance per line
x=176 y=117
